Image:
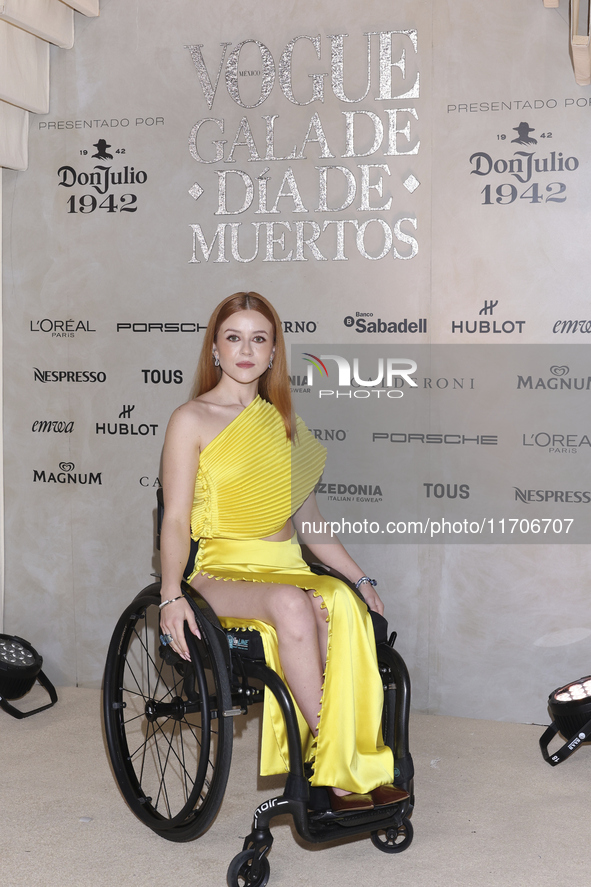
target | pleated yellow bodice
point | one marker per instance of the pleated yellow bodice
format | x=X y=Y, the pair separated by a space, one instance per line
x=251 y=479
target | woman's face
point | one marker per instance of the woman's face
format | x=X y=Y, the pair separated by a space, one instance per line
x=244 y=345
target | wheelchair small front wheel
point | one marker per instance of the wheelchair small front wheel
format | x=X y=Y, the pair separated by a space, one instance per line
x=394 y=839
x=168 y=741
x=240 y=871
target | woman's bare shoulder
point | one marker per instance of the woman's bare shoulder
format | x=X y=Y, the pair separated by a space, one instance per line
x=190 y=419
x=202 y=418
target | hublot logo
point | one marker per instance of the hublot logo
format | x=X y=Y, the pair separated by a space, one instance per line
x=126 y=428
x=487 y=326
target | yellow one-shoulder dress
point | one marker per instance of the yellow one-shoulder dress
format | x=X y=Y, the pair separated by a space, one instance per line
x=251 y=479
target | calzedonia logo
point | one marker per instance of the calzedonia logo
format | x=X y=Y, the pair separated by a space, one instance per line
x=346 y=492
x=66 y=474
x=152 y=482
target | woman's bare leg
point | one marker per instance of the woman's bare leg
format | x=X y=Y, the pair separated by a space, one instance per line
x=295 y=615
x=302 y=632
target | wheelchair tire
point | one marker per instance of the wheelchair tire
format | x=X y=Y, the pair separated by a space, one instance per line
x=170 y=746
x=240 y=871
x=394 y=839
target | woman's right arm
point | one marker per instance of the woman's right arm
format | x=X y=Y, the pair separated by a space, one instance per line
x=180 y=461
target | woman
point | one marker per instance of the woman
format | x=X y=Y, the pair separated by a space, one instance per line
x=242 y=475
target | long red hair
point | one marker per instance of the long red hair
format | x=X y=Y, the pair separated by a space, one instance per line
x=274 y=383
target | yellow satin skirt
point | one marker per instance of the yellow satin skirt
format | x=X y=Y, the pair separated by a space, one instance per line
x=349 y=751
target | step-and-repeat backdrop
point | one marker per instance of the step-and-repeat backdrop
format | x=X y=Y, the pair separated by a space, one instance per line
x=408 y=183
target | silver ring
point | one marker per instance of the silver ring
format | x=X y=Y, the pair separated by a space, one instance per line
x=166 y=639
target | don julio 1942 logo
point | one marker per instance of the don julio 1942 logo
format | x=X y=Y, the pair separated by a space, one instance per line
x=542 y=176
x=104 y=183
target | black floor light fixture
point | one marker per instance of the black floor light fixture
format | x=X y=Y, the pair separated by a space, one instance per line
x=570 y=707
x=20 y=667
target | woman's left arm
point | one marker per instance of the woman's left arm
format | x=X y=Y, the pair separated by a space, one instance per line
x=316 y=534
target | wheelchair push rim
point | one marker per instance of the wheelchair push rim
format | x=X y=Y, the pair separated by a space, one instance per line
x=170 y=746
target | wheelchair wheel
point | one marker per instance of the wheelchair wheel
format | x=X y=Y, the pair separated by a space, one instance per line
x=240 y=873
x=169 y=744
x=394 y=839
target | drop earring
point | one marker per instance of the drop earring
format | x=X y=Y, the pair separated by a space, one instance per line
x=271 y=363
x=216 y=361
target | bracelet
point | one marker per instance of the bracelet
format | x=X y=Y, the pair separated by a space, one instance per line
x=171 y=601
x=365 y=579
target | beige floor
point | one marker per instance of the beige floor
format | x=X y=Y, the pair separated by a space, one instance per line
x=489 y=813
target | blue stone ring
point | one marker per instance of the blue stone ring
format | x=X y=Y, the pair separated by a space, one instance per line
x=166 y=639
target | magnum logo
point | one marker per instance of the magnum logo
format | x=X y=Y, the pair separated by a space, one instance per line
x=67 y=475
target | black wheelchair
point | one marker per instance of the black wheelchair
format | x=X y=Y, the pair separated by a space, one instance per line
x=169 y=730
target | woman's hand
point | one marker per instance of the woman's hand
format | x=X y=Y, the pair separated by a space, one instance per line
x=372 y=598
x=172 y=621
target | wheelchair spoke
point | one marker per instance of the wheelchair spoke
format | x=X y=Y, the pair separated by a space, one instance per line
x=174 y=752
x=162 y=785
x=185 y=771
